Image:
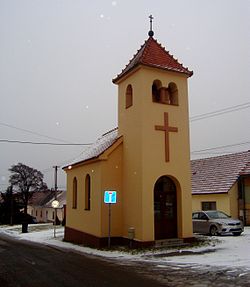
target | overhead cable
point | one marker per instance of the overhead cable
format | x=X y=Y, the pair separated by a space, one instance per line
x=43 y=143
x=220 y=112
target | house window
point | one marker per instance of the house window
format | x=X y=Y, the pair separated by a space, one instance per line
x=87 y=192
x=74 y=201
x=53 y=215
x=208 y=205
x=129 y=96
x=41 y=213
x=36 y=212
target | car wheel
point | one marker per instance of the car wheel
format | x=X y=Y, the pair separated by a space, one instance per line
x=213 y=230
x=236 y=233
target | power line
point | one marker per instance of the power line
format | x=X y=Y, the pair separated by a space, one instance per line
x=44 y=143
x=220 y=112
x=192 y=119
x=30 y=132
x=220 y=147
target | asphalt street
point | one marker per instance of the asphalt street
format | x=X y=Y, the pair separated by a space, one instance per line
x=26 y=264
x=23 y=263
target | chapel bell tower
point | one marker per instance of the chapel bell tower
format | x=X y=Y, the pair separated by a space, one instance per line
x=154 y=123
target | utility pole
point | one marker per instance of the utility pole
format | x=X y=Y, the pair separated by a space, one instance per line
x=11 y=205
x=55 y=176
x=55 y=167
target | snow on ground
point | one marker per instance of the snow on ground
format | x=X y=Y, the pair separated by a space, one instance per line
x=227 y=251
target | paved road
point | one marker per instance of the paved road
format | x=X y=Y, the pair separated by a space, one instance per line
x=32 y=265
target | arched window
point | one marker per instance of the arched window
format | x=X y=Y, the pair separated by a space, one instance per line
x=156 y=91
x=87 y=192
x=129 y=96
x=173 y=93
x=74 y=201
x=164 y=95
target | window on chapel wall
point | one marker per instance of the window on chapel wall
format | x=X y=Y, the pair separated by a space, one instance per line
x=87 y=192
x=208 y=205
x=129 y=96
x=164 y=95
x=74 y=199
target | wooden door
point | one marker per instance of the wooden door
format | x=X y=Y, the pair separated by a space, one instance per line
x=165 y=209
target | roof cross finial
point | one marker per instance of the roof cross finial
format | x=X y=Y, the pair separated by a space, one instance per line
x=151 y=33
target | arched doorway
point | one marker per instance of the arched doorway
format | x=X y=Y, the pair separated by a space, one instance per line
x=165 y=208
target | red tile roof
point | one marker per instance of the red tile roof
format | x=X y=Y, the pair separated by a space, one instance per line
x=153 y=54
x=38 y=198
x=41 y=198
x=218 y=174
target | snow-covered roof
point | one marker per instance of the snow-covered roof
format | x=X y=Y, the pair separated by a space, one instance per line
x=218 y=174
x=44 y=198
x=97 y=148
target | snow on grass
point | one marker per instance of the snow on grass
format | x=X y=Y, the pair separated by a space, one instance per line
x=227 y=251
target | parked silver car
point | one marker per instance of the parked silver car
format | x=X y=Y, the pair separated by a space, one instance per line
x=216 y=222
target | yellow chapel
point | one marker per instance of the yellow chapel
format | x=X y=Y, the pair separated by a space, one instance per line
x=146 y=160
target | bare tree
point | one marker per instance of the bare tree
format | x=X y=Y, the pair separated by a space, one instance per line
x=26 y=180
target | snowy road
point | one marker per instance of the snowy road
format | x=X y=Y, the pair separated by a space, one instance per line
x=224 y=262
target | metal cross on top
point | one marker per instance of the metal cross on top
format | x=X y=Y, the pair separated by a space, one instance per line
x=166 y=128
x=151 y=21
x=151 y=33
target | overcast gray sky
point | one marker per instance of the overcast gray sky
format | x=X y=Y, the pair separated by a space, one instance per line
x=58 y=57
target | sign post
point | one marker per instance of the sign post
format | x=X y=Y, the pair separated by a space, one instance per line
x=109 y=198
x=55 y=205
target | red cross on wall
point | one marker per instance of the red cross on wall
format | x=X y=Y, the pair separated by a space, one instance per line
x=166 y=128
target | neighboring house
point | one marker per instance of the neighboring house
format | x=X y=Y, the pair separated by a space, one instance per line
x=146 y=160
x=40 y=205
x=49 y=211
x=223 y=183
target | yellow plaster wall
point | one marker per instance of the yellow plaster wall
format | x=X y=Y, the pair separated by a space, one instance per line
x=233 y=199
x=222 y=201
x=111 y=179
x=104 y=175
x=226 y=202
x=80 y=219
x=130 y=123
x=144 y=147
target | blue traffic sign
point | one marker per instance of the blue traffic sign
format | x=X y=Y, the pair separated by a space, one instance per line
x=110 y=196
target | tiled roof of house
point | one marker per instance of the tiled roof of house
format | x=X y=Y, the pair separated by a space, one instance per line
x=39 y=198
x=97 y=148
x=153 y=54
x=218 y=174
